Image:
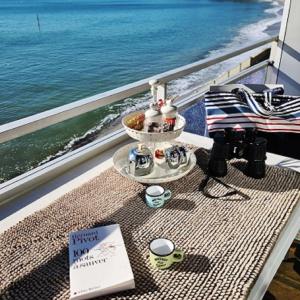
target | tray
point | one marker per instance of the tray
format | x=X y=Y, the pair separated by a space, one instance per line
x=161 y=172
x=154 y=137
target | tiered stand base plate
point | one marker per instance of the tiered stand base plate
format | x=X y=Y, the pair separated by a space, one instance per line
x=161 y=172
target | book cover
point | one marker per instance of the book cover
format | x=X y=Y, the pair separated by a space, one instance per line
x=99 y=262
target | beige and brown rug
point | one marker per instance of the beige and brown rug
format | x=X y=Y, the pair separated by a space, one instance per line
x=226 y=241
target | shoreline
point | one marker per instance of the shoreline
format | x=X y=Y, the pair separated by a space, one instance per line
x=272 y=27
x=246 y=34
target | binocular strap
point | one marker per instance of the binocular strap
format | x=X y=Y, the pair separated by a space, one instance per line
x=204 y=188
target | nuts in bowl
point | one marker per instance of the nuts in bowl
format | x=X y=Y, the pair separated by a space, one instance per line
x=136 y=121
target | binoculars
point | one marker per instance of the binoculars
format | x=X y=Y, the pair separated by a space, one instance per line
x=245 y=144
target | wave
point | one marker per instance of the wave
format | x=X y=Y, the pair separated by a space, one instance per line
x=246 y=35
x=127 y=106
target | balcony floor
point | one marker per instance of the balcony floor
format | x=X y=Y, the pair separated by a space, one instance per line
x=286 y=283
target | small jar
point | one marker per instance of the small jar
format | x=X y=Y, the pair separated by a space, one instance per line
x=140 y=161
x=169 y=115
x=153 y=119
x=176 y=156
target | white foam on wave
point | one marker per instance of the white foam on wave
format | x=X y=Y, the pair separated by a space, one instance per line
x=273 y=2
x=247 y=35
x=127 y=106
x=80 y=139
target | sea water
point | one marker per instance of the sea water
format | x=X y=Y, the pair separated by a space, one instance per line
x=58 y=51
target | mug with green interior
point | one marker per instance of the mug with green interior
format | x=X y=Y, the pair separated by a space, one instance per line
x=163 y=253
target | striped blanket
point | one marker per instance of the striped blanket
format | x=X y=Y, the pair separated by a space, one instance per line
x=242 y=110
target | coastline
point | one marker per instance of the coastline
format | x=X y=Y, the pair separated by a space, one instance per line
x=111 y=117
x=266 y=27
x=272 y=29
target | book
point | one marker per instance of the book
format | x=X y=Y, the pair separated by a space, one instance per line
x=99 y=263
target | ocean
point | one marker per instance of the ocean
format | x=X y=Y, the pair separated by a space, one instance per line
x=58 y=51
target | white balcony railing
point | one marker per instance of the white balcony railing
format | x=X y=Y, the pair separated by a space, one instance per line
x=21 y=184
x=38 y=121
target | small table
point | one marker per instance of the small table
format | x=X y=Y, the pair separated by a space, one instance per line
x=286 y=236
x=48 y=193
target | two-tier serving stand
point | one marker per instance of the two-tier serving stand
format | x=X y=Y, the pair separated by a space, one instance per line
x=161 y=171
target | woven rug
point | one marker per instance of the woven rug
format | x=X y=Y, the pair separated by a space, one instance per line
x=226 y=240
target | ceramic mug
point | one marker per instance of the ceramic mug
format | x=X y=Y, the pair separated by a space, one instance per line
x=157 y=196
x=163 y=253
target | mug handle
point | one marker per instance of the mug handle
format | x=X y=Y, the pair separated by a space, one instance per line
x=178 y=255
x=167 y=195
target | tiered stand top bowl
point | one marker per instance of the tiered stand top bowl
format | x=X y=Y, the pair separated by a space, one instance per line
x=153 y=137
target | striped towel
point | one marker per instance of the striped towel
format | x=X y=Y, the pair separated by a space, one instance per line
x=244 y=110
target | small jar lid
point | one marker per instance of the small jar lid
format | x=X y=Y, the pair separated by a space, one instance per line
x=169 y=107
x=153 y=111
